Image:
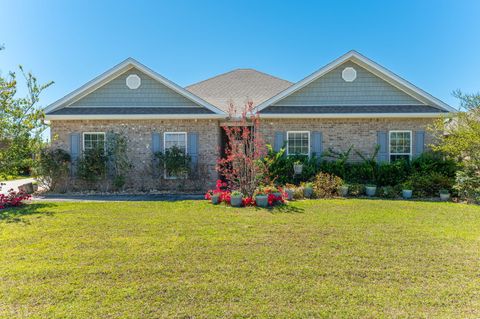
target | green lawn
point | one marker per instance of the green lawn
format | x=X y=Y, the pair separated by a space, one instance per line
x=323 y=258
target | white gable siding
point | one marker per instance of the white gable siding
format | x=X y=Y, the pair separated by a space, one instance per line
x=150 y=93
x=331 y=89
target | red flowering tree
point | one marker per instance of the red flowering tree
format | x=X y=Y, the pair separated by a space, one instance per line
x=242 y=167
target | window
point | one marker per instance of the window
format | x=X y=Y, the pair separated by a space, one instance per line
x=400 y=145
x=93 y=140
x=298 y=143
x=174 y=139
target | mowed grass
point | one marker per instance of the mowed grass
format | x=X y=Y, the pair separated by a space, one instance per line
x=314 y=259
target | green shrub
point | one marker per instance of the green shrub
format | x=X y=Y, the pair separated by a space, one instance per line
x=467 y=183
x=52 y=168
x=92 y=166
x=356 y=189
x=298 y=192
x=280 y=167
x=391 y=174
x=326 y=185
x=387 y=192
x=434 y=162
x=429 y=185
x=174 y=161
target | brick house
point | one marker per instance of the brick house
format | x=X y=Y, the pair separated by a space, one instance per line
x=350 y=101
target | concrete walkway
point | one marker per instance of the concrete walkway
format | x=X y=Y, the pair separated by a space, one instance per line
x=14 y=184
x=102 y=198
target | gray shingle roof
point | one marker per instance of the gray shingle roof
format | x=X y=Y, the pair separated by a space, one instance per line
x=238 y=86
x=129 y=110
x=351 y=109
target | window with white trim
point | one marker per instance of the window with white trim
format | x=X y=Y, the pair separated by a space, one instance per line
x=298 y=143
x=93 y=140
x=400 y=145
x=174 y=139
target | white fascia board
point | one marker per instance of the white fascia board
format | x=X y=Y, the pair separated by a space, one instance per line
x=353 y=115
x=133 y=117
x=119 y=69
x=370 y=65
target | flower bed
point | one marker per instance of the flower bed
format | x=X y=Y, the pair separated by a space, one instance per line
x=13 y=199
x=221 y=194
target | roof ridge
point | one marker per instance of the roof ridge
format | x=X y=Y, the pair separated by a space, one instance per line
x=238 y=69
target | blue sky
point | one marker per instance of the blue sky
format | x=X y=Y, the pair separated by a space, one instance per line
x=433 y=44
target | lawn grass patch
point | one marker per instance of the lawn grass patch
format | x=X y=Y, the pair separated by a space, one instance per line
x=317 y=258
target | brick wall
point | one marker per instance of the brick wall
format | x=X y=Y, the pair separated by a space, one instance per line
x=340 y=134
x=139 y=137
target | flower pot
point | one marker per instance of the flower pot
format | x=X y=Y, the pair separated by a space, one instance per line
x=277 y=194
x=407 y=193
x=236 y=201
x=370 y=190
x=297 y=168
x=261 y=200
x=289 y=193
x=308 y=192
x=215 y=199
x=344 y=191
x=444 y=197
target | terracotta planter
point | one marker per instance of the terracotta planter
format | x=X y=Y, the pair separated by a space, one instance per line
x=236 y=201
x=407 y=193
x=261 y=200
x=370 y=190
x=308 y=192
x=344 y=191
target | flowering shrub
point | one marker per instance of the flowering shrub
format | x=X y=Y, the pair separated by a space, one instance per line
x=13 y=198
x=225 y=194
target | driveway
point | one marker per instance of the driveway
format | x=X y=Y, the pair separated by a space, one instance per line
x=14 y=184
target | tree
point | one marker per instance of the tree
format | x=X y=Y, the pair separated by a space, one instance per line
x=242 y=165
x=21 y=122
x=459 y=138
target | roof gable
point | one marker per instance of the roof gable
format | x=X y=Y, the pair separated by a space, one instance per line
x=238 y=87
x=330 y=89
x=318 y=86
x=151 y=93
x=109 y=90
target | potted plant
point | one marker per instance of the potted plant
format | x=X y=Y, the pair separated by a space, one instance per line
x=370 y=190
x=289 y=190
x=215 y=198
x=297 y=167
x=275 y=191
x=444 y=195
x=236 y=199
x=407 y=190
x=308 y=190
x=344 y=190
x=261 y=198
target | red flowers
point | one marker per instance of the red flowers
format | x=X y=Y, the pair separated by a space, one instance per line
x=13 y=198
x=224 y=195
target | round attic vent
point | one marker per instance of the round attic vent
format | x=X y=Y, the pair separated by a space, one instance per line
x=133 y=81
x=349 y=74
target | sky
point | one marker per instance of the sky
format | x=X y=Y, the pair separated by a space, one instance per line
x=433 y=44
